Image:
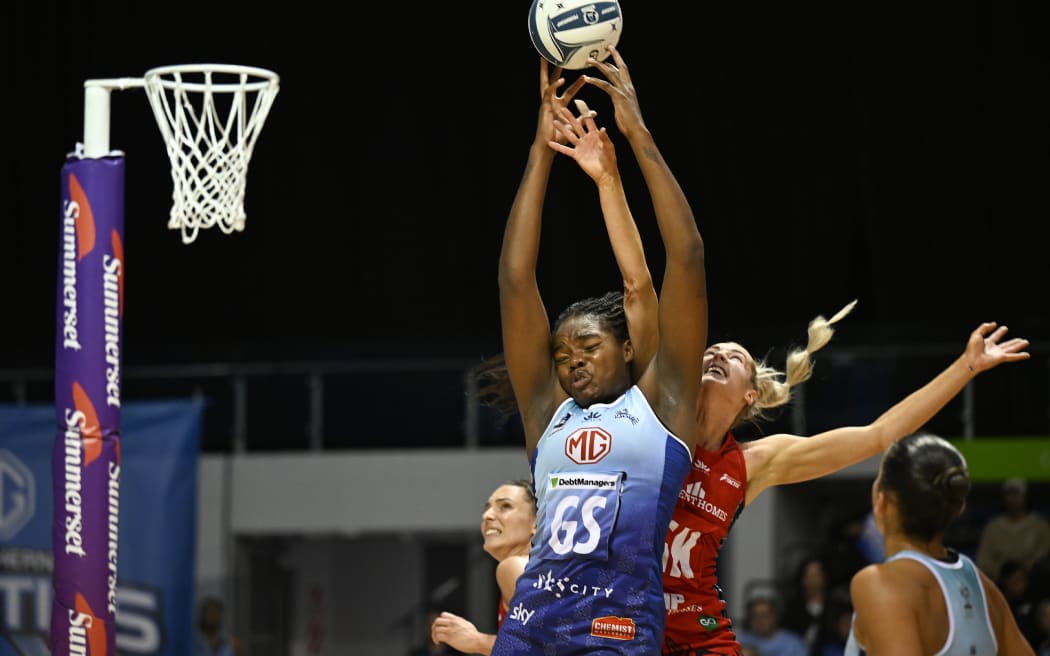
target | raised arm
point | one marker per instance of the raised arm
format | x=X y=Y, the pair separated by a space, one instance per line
x=782 y=459
x=640 y=301
x=682 y=317
x=526 y=327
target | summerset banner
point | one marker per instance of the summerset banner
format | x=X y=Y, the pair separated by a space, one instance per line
x=153 y=592
x=96 y=538
x=86 y=458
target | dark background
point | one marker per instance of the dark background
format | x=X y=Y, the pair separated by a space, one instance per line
x=831 y=151
x=896 y=153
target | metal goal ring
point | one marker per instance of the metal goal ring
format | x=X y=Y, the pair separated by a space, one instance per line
x=160 y=76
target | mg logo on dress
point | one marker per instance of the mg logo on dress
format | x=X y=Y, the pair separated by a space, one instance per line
x=588 y=445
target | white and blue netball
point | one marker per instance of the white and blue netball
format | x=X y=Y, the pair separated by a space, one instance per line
x=567 y=32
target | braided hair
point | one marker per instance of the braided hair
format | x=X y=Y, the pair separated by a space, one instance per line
x=493 y=382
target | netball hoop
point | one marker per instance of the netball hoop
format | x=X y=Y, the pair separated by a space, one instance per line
x=210 y=116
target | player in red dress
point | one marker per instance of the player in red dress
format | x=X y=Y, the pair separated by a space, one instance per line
x=727 y=475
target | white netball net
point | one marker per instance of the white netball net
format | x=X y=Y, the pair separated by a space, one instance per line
x=210 y=116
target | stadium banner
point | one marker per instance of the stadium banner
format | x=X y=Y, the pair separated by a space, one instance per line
x=158 y=464
x=995 y=459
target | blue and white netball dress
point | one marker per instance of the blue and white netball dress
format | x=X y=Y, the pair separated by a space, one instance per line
x=970 y=629
x=606 y=478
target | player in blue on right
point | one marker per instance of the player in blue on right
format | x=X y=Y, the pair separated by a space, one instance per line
x=926 y=598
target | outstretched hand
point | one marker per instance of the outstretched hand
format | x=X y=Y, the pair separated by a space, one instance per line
x=551 y=103
x=619 y=87
x=984 y=350
x=586 y=143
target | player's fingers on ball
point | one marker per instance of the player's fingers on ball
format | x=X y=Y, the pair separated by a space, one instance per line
x=620 y=63
x=602 y=66
x=598 y=82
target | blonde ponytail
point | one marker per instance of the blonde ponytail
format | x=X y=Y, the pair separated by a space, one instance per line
x=774 y=387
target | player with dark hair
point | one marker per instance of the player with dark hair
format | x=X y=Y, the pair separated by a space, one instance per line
x=609 y=445
x=508 y=523
x=926 y=598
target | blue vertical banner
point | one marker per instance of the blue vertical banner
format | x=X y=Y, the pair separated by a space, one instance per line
x=154 y=593
x=86 y=456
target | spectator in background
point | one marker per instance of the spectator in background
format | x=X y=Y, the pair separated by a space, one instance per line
x=869 y=541
x=1039 y=593
x=838 y=617
x=1042 y=626
x=1013 y=581
x=1039 y=579
x=212 y=638
x=851 y=543
x=749 y=650
x=807 y=602
x=764 y=632
x=1019 y=533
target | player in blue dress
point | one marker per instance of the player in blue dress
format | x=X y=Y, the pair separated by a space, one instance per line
x=609 y=447
x=926 y=598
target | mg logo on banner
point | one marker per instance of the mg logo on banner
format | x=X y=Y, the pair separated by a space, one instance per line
x=17 y=495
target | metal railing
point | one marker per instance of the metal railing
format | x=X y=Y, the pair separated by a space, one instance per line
x=387 y=403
